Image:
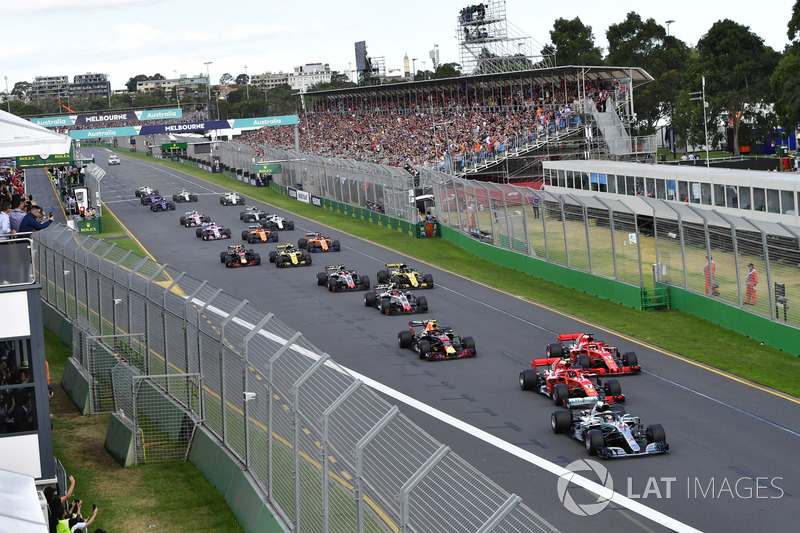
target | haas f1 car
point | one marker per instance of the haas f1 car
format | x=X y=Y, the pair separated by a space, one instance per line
x=256 y=233
x=337 y=278
x=405 y=277
x=434 y=342
x=390 y=301
x=239 y=256
x=590 y=354
x=569 y=386
x=608 y=432
x=315 y=242
x=288 y=256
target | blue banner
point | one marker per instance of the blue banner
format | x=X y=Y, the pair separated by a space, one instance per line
x=127 y=131
x=52 y=122
x=258 y=122
x=185 y=128
x=160 y=114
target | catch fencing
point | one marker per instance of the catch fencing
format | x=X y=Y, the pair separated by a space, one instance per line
x=328 y=453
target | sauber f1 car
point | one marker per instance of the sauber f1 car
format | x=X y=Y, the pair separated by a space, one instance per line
x=433 y=341
x=232 y=198
x=161 y=204
x=212 y=232
x=183 y=196
x=239 y=256
x=256 y=233
x=608 y=432
x=404 y=277
x=276 y=222
x=288 y=256
x=192 y=219
x=590 y=354
x=338 y=278
x=568 y=386
x=144 y=191
x=315 y=242
x=390 y=300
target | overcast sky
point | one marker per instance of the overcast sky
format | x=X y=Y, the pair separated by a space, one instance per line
x=123 y=38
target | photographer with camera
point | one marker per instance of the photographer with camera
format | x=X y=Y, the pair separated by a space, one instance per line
x=31 y=221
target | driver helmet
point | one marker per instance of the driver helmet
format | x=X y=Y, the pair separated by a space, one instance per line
x=319 y=235
x=239 y=247
x=431 y=325
x=608 y=417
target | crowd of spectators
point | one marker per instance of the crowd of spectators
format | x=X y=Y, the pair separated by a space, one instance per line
x=65 y=516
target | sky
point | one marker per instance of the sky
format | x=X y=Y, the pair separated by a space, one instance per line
x=123 y=38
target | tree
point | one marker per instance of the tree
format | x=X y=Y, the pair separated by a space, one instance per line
x=573 y=43
x=785 y=83
x=242 y=80
x=448 y=70
x=338 y=81
x=225 y=79
x=21 y=89
x=282 y=100
x=131 y=84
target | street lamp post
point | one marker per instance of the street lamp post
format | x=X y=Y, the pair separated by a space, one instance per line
x=8 y=102
x=668 y=23
x=208 y=85
x=414 y=68
x=247 y=82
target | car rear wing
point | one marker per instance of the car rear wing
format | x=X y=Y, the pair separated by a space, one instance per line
x=333 y=268
x=545 y=362
x=579 y=402
x=284 y=246
x=422 y=323
x=383 y=287
x=253 y=227
x=398 y=265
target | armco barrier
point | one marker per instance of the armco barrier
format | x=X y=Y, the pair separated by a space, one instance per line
x=76 y=385
x=120 y=442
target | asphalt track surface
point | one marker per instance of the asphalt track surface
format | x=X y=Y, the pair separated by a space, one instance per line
x=733 y=460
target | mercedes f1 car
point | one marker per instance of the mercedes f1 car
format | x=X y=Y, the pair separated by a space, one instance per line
x=183 y=196
x=238 y=256
x=288 y=256
x=212 y=232
x=404 y=277
x=390 y=300
x=161 y=204
x=608 y=432
x=434 y=342
x=232 y=198
x=193 y=219
x=252 y=214
x=256 y=233
x=277 y=222
x=144 y=191
x=568 y=386
x=584 y=351
x=316 y=242
x=337 y=278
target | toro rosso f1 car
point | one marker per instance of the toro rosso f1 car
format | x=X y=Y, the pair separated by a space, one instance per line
x=288 y=256
x=608 y=432
x=390 y=300
x=590 y=354
x=434 y=342
x=338 y=278
x=161 y=204
x=238 y=256
x=256 y=233
x=568 y=386
x=405 y=277
x=316 y=242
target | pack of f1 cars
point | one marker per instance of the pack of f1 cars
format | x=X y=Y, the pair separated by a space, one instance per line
x=338 y=278
x=391 y=301
x=161 y=204
x=211 y=232
x=193 y=219
x=405 y=277
x=232 y=198
x=316 y=242
x=183 y=196
x=256 y=233
x=288 y=256
x=147 y=199
x=583 y=350
x=113 y=159
x=433 y=341
x=238 y=256
x=277 y=222
x=252 y=214
x=609 y=432
x=144 y=191
x=567 y=385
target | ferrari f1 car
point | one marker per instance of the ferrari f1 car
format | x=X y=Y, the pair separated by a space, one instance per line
x=568 y=386
x=232 y=198
x=239 y=256
x=608 y=432
x=316 y=242
x=256 y=233
x=337 y=278
x=193 y=219
x=144 y=191
x=404 y=277
x=277 y=222
x=161 y=204
x=288 y=256
x=212 y=232
x=252 y=214
x=584 y=351
x=390 y=300
x=183 y=196
x=433 y=341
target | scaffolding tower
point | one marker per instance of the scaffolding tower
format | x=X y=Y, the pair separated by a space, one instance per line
x=490 y=44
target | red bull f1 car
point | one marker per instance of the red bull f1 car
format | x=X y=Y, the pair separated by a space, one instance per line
x=584 y=351
x=569 y=386
x=337 y=278
x=432 y=341
x=392 y=301
x=239 y=256
x=405 y=277
x=288 y=256
x=316 y=242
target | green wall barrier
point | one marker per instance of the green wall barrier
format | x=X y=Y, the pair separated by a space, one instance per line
x=119 y=441
x=56 y=323
x=76 y=385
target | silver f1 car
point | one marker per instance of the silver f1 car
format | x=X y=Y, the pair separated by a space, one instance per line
x=390 y=300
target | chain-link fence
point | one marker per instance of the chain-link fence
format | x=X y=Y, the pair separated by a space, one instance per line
x=328 y=452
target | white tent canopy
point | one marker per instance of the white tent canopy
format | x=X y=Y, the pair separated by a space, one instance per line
x=18 y=137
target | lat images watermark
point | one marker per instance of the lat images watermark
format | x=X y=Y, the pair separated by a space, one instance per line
x=583 y=503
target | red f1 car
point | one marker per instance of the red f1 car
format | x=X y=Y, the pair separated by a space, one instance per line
x=567 y=385
x=590 y=354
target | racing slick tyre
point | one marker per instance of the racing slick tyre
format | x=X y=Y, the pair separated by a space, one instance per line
x=469 y=343
x=594 y=441
x=257 y=259
x=528 y=379
x=383 y=276
x=241 y=215
x=555 y=350
x=290 y=225
x=365 y=282
x=612 y=387
x=397 y=280
x=156 y=192
x=183 y=221
x=386 y=307
x=175 y=198
x=272 y=256
x=584 y=362
x=424 y=349
x=192 y=197
x=153 y=208
x=137 y=193
x=198 y=232
x=222 y=201
x=630 y=359
x=561 y=420
x=245 y=235
x=322 y=279
x=204 y=236
x=242 y=200
x=422 y=303
x=331 y=284
x=251 y=239
x=429 y=280
x=560 y=394
x=228 y=232
x=142 y=200
x=404 y=338
x=336 y=247
x=222 y=256
x=655 y=433
x=307 y=259
x=369 y=301
x=229 y=262
x=206 y=218
x=301 y=243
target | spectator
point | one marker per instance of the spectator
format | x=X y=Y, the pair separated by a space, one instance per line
x=22 y=413
x=18 y=213
x=709 y=273
x=5 y=221
x=55 y=503
x=751 y=283
x=31 y=222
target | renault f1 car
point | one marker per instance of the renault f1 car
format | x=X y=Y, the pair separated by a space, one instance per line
x=192 y=219
x=434 y=342
x=232 y=198
x=161 y=204
x=144 y=191
x=338 y=279
x=238 y=256
x=212 y=232
x=316 y=242
x=404 y=277
x=608 y=432
x=183 y=196
x=256 y=233
x=391 y=301
x=568 y=386
x=147 y=199
x=288 y=256
x=584 y=351
x=252 y=214
x=277 y=222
